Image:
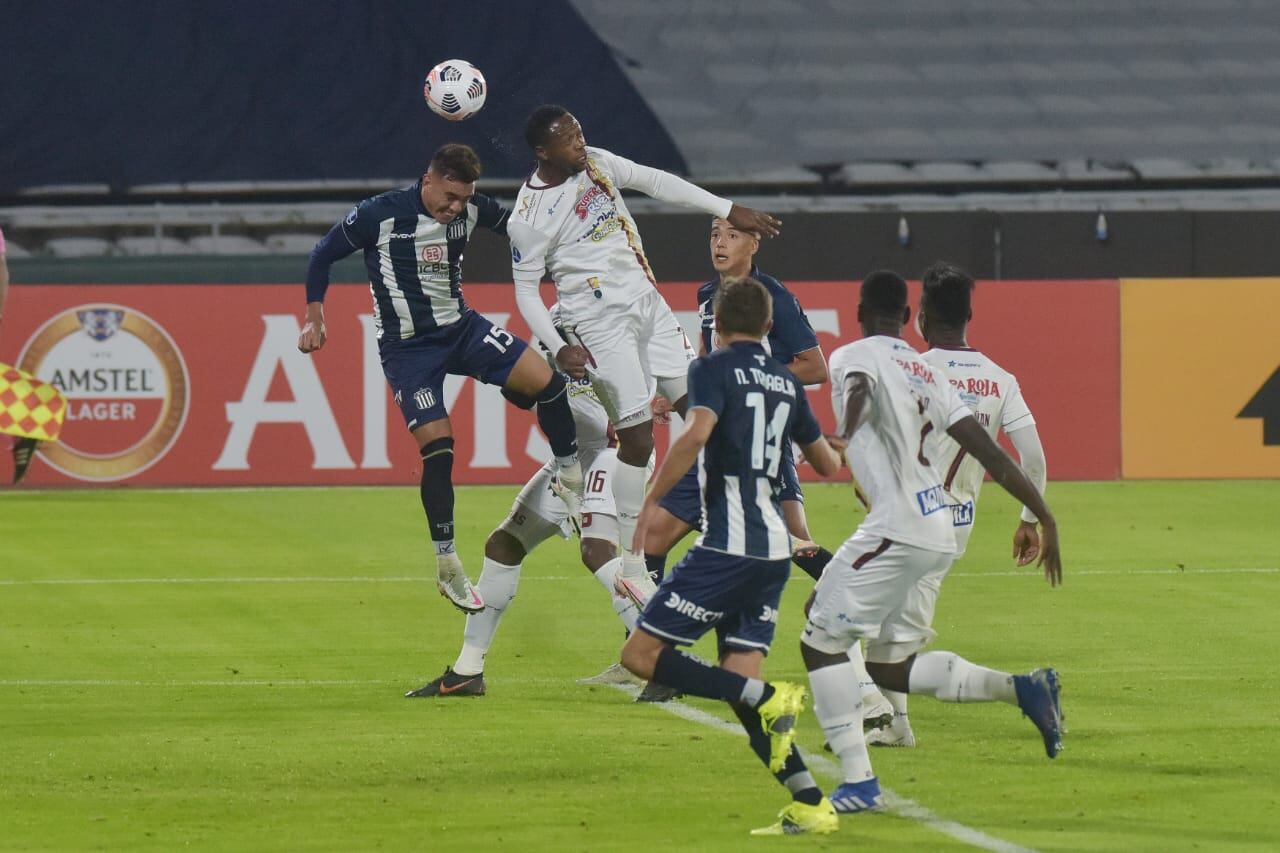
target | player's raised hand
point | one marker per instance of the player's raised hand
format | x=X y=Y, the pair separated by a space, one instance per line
x=572 y=359
x=1050 y=558
x=1026 y=543
x=754 y=221
x=313 y=336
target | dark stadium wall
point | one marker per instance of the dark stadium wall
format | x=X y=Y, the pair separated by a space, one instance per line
x=128 y=92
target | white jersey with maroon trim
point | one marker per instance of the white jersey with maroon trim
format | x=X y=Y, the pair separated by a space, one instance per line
x=894 y=452
x=581 y=232
x=993 y=396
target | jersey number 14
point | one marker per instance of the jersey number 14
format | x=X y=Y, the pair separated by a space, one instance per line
x=766 y=443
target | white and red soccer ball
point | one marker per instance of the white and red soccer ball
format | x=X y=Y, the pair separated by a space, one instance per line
x=455 y=89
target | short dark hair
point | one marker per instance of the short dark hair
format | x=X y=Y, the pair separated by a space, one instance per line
x=949 y=292
x=456 y=162
x=538 y=128
x=884 y=293
x=743 y=307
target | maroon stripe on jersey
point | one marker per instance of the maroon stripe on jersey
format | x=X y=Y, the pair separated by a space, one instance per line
x=954 y=469
x=871 y=555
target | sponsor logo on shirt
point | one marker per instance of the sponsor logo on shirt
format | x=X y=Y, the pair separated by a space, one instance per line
x=592 y=201
x=432 y=254
x=962 y=514
x=976 y=386
x=931 y=500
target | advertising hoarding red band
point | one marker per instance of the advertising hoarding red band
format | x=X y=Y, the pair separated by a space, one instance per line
x=173 y=385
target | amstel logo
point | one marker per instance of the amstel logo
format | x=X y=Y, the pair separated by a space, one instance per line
x=126 y=388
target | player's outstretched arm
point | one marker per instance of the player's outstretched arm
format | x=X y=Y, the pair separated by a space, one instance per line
x=332 y=248
x=1026 y=539
x=974 y=439
x=679 y=459
x=824 y=458
x=667 y=187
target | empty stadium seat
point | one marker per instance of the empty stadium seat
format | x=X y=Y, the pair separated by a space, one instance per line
x=77 y=247
x=292 y=244
x=226 y=244
x=141 y=246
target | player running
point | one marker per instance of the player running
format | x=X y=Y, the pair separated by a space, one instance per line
x=994 y=397
x=891 y=405
x=743 y=409
x=791 y=342
x=413 y=240
x=537 y=514
x=570 y=219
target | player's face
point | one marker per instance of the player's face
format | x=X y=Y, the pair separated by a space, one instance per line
x=445 y=198
x=731 y=249
x=566 y=148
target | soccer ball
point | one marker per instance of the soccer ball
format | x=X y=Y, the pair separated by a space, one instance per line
x=455 y=89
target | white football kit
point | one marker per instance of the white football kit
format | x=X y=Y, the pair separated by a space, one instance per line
x=582 y=233
x=894 y=455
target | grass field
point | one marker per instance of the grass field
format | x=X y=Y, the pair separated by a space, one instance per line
x=224 y=670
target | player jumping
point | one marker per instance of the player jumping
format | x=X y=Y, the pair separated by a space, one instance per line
x=536 y=515
x=570 y=219
x=994 y=397
x=744 y=407
x=413 y=240
x=891 y=405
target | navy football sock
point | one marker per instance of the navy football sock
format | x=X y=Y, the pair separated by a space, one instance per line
x=436 y=489
x=812 y=562
x=802 y=787
x=556 y=418
x=657 y=566
x=695 y=678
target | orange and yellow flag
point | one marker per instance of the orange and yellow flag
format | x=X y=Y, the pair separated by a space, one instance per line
x=29 y=407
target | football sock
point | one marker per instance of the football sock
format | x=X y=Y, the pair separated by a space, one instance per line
x=623 y=606
x=628 y=496
x=556 y=420
x=951 y=678
x=899 y=703
x=837 y=703
x=794 y=774
x=866 y=686
x=657 y=566
x=812 y=563
x=694 y=678
x=436 y=489
x=497 y=586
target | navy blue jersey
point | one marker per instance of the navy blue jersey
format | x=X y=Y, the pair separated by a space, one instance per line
x=791 y=333
x=759 y=407
x=414 y=262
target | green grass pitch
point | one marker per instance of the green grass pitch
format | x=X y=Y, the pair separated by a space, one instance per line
x=257 y=704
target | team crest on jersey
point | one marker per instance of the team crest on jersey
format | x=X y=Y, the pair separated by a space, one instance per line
x=425 y=398
x=457 y=230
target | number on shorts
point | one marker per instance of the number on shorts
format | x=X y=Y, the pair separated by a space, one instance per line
x=596 y=482
x=766 y=444
x=499 y=338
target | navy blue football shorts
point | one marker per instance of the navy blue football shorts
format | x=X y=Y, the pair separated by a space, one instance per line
x=738 y=596
x=416 y=367
x=684 y=501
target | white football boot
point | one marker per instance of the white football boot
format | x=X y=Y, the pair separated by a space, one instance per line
x=454 y=584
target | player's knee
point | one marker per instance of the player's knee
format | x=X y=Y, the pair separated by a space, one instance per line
x=891 y=676
x=635 y=444
x=502 y=547
x=553 y=389
x=436 y=448
x=596 y=552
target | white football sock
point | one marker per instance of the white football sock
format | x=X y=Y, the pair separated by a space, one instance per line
x=497 y=586
x=624 y=607
x=837 y=703
x=951 y=678
x=899 y=703
x=628 y=497
x=866 y=686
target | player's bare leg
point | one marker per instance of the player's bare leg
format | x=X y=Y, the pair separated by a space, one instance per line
x=665 y=534
x=532 y=378
x=435 y=445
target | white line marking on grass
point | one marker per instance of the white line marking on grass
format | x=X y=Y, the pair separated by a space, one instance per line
x=896 y=802
x=1030 y=573
x=90 y=682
